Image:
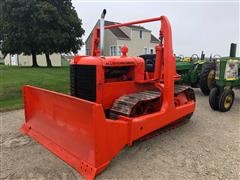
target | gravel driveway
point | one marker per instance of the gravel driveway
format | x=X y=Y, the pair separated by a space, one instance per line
x=207 y=147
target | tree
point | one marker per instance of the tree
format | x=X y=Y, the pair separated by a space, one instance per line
x=59 y=28
x=19 y=32
x=1 y=24
x=40 y=26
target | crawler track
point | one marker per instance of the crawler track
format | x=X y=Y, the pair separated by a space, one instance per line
x=145 y=102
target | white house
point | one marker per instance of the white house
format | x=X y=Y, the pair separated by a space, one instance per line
x=138 y=39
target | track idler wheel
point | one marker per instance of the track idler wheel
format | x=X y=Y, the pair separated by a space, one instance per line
x=143 y=108
x=183 y=94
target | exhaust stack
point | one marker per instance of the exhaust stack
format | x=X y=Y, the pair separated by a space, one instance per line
x=202 y=56
x=233 y=49
x=102 y=32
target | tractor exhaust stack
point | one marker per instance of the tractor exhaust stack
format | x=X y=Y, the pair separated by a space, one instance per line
x=202 y=56
x=102 y=32
x=233 y=49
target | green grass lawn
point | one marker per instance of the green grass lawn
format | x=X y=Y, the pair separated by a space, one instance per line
x=13 y=78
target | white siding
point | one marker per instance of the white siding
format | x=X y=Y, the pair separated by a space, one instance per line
x=137 y=46
x=110 y=40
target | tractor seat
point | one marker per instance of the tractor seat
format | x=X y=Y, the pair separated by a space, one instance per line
x=149 y=62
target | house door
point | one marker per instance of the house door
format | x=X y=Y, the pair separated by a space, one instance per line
x=151 y=51
x=14 y=59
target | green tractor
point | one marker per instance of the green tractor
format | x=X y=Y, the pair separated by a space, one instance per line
x=227 y=77
x=198 y=72
x=190 y=69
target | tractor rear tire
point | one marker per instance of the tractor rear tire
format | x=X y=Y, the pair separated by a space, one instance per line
x=207 y=77
x=226 y=100
x=213 y=99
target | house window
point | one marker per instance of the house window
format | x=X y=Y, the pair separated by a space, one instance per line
x=87 y=51
x=113 y=51
x=141 y=34
x=145 y=50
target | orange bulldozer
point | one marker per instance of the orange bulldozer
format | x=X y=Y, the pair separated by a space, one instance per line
x=114 y=101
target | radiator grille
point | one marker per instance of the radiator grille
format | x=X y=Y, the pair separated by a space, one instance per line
x=83 y=81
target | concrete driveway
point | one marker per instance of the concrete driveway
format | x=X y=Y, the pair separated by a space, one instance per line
x=207 y=147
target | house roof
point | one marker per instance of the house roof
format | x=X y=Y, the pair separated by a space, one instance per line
x=121 y=35
x=154 y=39
x=139 y=28
x=117 y=31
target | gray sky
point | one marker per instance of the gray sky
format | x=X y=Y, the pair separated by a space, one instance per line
x=196 y=26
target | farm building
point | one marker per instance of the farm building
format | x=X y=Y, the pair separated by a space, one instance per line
x=138 y=39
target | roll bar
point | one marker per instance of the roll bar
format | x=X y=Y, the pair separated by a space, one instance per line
x=166 y=69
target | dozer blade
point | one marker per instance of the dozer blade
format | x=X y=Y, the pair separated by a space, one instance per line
x=74 y=129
